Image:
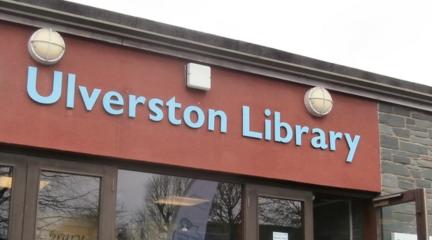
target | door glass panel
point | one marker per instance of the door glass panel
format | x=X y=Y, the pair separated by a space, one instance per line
x=280 y=219
x=332 y=219
x=162 y=207
x=5 y=198
x=399 y=222
x=68 y=206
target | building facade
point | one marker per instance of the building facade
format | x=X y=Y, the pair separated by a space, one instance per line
x=115 y=127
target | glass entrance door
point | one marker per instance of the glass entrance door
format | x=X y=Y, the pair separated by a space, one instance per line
x=402 y=216
x=278 y=214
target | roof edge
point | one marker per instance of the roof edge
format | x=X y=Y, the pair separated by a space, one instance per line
x=162 y=38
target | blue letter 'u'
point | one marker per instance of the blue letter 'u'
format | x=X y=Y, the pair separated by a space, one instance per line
x=32 y=89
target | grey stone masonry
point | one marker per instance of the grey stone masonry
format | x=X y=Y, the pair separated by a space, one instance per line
x=406 y=150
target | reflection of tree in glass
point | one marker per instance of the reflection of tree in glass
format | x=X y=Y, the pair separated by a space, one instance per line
x=4 y=203
x=66 y=197
x=156 y=218
x=123 y=221
x=280 y=212
x=226 y=205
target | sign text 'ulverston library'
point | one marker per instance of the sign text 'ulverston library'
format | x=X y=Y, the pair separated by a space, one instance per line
x=171 y=110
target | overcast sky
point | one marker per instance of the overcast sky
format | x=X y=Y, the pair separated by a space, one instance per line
x=389 y=37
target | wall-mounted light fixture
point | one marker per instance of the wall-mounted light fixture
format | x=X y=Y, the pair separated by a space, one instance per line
x=318 y=101
x=46 y=46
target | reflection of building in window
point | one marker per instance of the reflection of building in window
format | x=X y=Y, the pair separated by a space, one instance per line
x=399 y=218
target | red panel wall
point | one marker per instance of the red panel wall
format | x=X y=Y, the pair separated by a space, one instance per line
x=130 y=71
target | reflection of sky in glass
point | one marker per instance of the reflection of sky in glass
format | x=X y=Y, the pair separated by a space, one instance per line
x=131 y=201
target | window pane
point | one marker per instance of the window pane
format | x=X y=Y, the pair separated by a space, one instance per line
x=5 y=198
x=160 y=207
x=399 y=221
x=332 y=219
x=280 y=219
x=68 y=206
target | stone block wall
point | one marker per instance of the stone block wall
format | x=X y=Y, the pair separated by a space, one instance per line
x=406 y=150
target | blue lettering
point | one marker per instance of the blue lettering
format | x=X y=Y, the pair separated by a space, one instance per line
x=246 y=125
x=278 y=125
x=32 y=89
x=70 y=95
x=267 y=125
x=89 y=100
x=155 y=106
x=212 y=114
x=172 y=106
x=333 y=137
x=113 y=98
x=193 y=116
x=133 y=102
x=352 y=145
x=319 y=141
x=299 y=133
x=187 y=116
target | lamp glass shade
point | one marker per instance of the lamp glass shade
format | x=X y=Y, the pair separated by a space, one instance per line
x=318 y=101
x=46 y=46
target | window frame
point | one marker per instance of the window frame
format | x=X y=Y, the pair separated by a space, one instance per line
x=252 y=192
x=106 y=192
x=16 y=207
x=28 y=162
